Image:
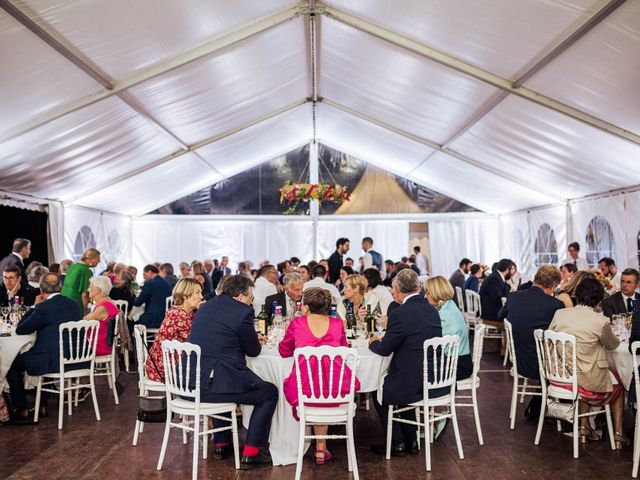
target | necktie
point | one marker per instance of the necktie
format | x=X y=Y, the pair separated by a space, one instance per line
x=575 y=262
x=630 y=305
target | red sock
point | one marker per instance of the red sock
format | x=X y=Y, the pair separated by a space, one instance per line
x=250 y=451
x=223 y=444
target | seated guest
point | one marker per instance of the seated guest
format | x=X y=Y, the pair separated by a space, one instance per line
x=305 y=272
x=103 y=310
x=344 y=273
x=198 y=269
x=44 y=357
x=529 y=310
x=123 y=289
x=223 y=328
x=492 y=291
x=35 y=271
x=120 y=267
x=439 y=293
x=153 y=296
x=473 y=282
x=593 y=337
x=458 y=277
x=389 y=273
x=13 y=286
x=373 y=282
x=408 y=326
x=76 y=282
x=568 y=294
x=243 y=269
x=566 y=272
x=320 y=275
x=514 y=278
x=355 y=287
x=607 y=266
x=626 y=300
x=55 y=268
x=134 y=274
x=266 y=285
x=314 y=329
x=187 y=297
x=185 y=270
x=288 y=297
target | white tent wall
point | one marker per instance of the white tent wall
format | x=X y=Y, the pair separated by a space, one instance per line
x=515 y=241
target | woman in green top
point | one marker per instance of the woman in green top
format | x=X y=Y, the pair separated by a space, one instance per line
x=76 y=282
x=439 y=293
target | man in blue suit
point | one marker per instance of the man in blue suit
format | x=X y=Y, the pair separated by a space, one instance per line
x=223 y=328
x=529 y=310
x=492 y=291
x=408 y=326
x=51 y=310
x=153 y=296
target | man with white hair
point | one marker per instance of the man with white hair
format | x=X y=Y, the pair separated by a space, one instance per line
x=288 y=297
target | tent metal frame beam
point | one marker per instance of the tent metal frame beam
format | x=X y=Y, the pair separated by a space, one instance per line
x=153 y=71
x=191 y=148
x=473 y=71
x=441 y=148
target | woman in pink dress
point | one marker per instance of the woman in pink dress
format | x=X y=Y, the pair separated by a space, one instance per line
x=103 y=310
x=314 y=329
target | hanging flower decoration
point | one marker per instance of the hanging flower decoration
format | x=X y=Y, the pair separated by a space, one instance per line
x=296 y=193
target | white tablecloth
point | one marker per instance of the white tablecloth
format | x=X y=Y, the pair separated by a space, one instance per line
x=10 y=347
x=285 y=430
x=621 y=361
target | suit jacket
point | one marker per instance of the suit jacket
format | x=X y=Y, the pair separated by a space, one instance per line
x=12 y=259
x=153 y=296
x=615 y=304
x=528 y=310
x=45 y=319
x=281 y=298
x=457 y=280
x=335 y=264
x=217 y=275
x=26 y=293
x=408 y=326
x=593 y=335
x=491 y=292
x=223 y=327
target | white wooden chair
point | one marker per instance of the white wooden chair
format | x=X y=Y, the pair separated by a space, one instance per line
x=178 y=358
x=106 y=365
x=123 y=306
x=473 y=309
x=168 y=303
x=507 y=353
x=538 y=336
x=521 y=384
x=635 y=347
x=145 y=385
x=473 y=382
x=459 y=298
x=78 y=342
x=559 y=360
x=342 y=360
x=444 y=376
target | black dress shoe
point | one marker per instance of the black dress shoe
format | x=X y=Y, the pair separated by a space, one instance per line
x=222 y=452
x=411 y=447
x=396 y=450
x=262 y=460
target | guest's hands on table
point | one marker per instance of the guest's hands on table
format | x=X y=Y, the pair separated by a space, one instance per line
x=374 y=338
x=262 y=339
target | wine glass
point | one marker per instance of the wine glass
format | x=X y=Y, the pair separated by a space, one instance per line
x=379 y=325
x=5 y=311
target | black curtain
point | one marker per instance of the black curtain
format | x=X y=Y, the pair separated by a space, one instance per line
x=20 y=223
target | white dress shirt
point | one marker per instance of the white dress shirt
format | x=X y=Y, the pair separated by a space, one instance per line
x=367 y=260
x=580 y=263
x=421 y=263
x=409 y=296
x=262 y=289
x=384 y=297
x=320 y=283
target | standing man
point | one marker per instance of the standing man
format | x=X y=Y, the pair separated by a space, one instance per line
x=574 y=257
x=208 y=266
x=335 y=260
x=220 y=272
x=153 y=296
x=19 y=253
x=492 y=291
x=371 y=259
x=422 y=262
x=626 y=300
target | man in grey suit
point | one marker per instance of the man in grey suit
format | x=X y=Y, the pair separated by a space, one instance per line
x=457 y=278
x=19 y=253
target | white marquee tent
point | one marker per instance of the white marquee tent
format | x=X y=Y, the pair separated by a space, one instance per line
x=524 y=109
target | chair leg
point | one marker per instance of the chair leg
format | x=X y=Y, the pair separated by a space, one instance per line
x=514 y=401
x=456 y=430
x=69 y=396
x=300 y=448
x=352 y=449
x=418 y=429
x=476 y=415
x=524 y=390
x=427 y=438
x=543 y=407
x=77 y=393
x=185 y=438
x=506 y=357
x=113 y=380
x=107 y=367
x=205 y=437
x=94 y=396
x=126 y=360
x=389 y=430
x=636 y=447
x=136 y=432
x=576 y=422
x=234 y=436
x=196 y=440
x=38 y=396
x=607 y=410
x=165 y=440
x=60 y=403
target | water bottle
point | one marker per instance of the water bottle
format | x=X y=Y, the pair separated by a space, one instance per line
x=278 y=323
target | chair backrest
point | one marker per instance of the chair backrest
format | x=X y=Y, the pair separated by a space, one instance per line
x=560 y=359
x=460 y=298
x=168 y=302
x=440 y=362
x=538 y=336
x=78 y=342
x=635 y=346
x=473 y=303
x=478 y=341
x=178 y=358
x=123 y=306
x=330 y=373
x=140 y=336
x=508 y=328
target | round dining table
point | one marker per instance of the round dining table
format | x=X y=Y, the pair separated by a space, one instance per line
x=621 y=361
x=285 y=429
x=10 y=347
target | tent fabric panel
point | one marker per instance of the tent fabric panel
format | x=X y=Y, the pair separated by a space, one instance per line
x=80 y=151
x=550 y=150
x=501 y=36
x=394 y=85
x=474 y=186
x=34 y=77
x=600 y=74
x=121 y=36
x=153 y=188
x=253 y=78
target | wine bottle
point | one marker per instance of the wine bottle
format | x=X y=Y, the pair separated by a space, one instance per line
x=350 y=318
x=262 y=320
x=370 y=320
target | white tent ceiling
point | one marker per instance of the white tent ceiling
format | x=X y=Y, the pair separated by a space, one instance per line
x=127 y=105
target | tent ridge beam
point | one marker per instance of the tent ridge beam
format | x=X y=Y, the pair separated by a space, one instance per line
x=190 y=148
x=157 y=69
x=473 y=71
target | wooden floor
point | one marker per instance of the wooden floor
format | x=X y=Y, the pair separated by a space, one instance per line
x=86 y=448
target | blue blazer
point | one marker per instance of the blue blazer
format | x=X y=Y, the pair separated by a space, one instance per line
x=44 y=319
x=408 y=326
x=528 y=310
x=153 y=296
x=491 y=292
x=224 y=330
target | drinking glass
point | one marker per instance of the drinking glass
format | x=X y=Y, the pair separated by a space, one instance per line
x=5 y=312
x=379 y=325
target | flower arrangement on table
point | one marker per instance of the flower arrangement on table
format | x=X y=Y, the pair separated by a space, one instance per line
x=296 y=193
x=609 y=287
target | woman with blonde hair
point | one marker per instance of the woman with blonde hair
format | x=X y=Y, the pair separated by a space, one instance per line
x=187 y=297
x=568 y=293
x=439 y=293
x=355 y=291
x=76 y=280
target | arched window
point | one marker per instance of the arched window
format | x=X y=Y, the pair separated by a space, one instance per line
x=546 y=247
x=84 y=239
x=599 y=240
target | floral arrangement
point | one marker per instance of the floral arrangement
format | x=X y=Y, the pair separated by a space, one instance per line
x=296 y=193
x=609 y=287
